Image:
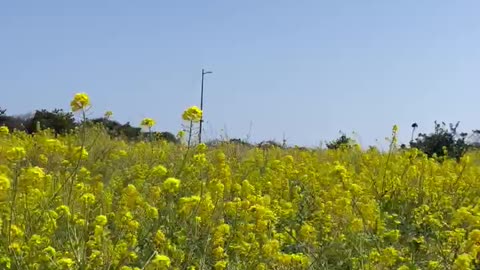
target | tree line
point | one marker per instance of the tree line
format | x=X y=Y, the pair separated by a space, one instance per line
x=62 y=122
x=444 y=140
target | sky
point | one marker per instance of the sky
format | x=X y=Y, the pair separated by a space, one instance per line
x=303 y=70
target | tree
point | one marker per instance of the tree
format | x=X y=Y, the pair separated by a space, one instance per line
x=19 y=122
x=442 y=141
x=166 y=136
x=474 y=139
x=342 y=142
x=59 y=121
x=241 y=142
x=116 y=129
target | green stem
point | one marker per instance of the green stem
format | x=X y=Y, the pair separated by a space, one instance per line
x=184 y=161
x=12 y=207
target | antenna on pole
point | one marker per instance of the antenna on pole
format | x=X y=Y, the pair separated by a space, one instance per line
x=201 y=105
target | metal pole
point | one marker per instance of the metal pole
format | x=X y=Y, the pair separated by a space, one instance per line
x=201 y=108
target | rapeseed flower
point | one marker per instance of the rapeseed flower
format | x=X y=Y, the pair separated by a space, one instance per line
x=220 y=265
x=16 y=153
x=171 y=185
x=161 y=262
x=108 y=114
x=88 y=198
x=65 y=263
x=463 y=262
x=4 y=130
x=193 y=114
x=80 y=101
x=148 y=122
x=159 y=171
x=5 y=184
x=101 y=220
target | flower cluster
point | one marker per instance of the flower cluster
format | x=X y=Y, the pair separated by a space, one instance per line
x=148 y=122
x=80 y=101
x=193 y=114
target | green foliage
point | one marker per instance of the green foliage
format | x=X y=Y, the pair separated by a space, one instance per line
x=165 y=136
x=341 y=142
x=61 y=123
x=442 y=142
x=116 y=129
x=58 y=120
x=269 y=144
x=14 y=122
x=240 y=142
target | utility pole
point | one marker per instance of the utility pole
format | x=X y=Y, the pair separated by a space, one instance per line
x=201 y=106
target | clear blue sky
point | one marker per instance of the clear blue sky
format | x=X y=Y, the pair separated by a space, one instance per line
x=304 y=68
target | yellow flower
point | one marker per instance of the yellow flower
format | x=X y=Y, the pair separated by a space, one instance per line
x=88 y=198
x=4 y=186
x=80 y=222
x=80 y=153
x=133 y=256
x=474 y=235
x=392 y=236
x=181 y=134
x=433 y=265
x=161 y=261
x=389 y=256
x=152 y=212
x=201 y=148
x=261 y=266
x=133 y=225
x=395 y=129
x=221 y=232
x=50 y=251
x=108 y=114
x=34 y=174
x=218 y=253
x=15 y=247
x=159 y=238
x=65 y=263
x=80 y=102
x=271 y=248
x=171 y=184
x=463 y=262
x=357 y=225
x=148 y=122
x=307 y=233
x=4 y=130
x=101 y=220
x=16 y=153
x=43 y=159
x=193 y=114
x=63 y=210
x=220 y=265
x=159 y=171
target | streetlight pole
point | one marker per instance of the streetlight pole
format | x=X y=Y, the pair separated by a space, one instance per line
x=201 y=106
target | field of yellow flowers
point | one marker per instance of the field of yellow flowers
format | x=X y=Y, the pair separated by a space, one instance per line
x=88 y=201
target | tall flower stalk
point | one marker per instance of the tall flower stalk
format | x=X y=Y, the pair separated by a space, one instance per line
x=192 y=115
x=148 y=123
